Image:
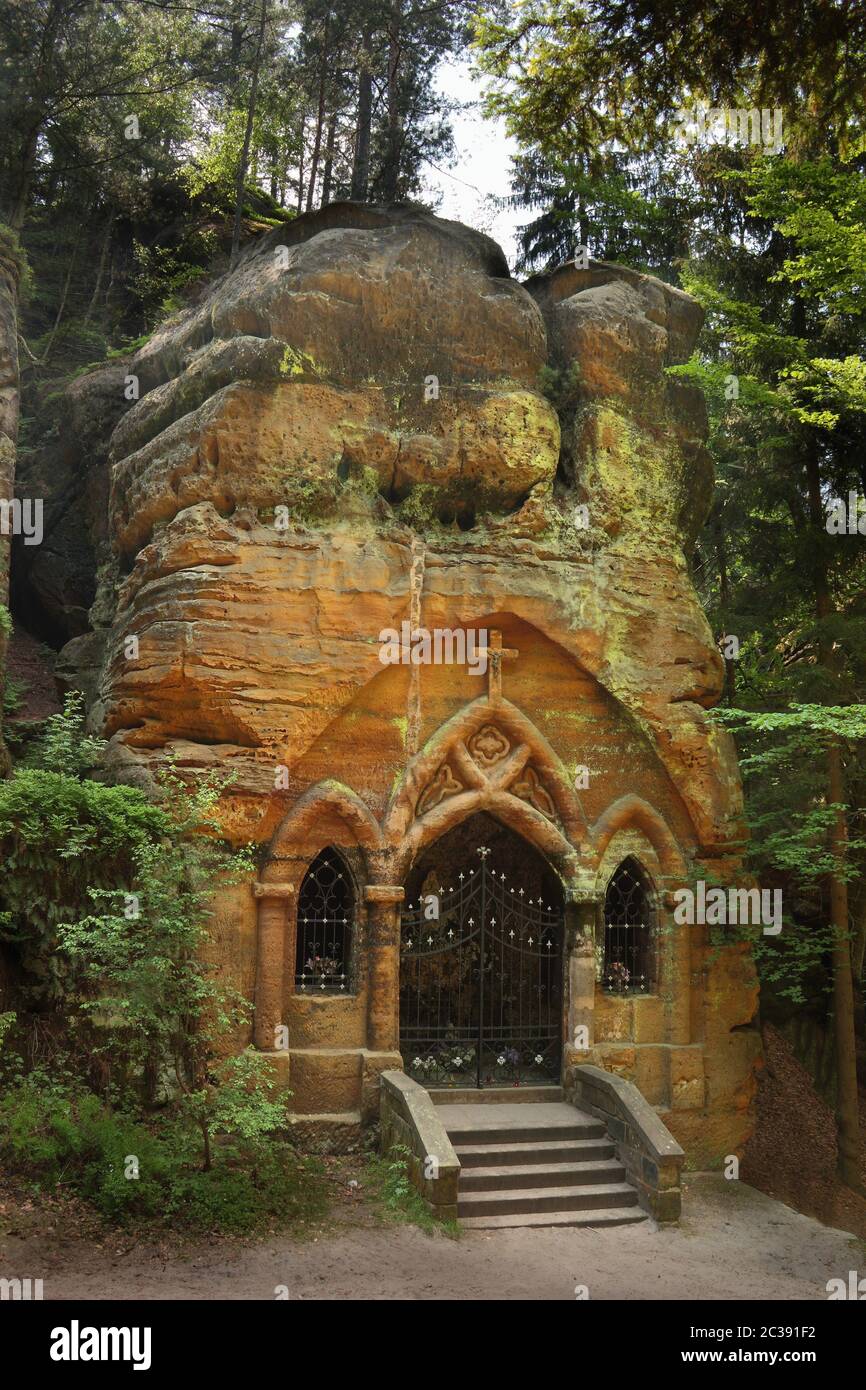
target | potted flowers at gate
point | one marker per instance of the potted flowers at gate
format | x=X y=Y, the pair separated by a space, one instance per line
x=510 y=1058
x=459 y=1062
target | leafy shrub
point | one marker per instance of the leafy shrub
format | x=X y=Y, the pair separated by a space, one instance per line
x=56 y=1133
x=65 y=746
x=162 y=273
x=108 y=897
x=247 y=1188
x=61 y=836
x=53 y=1131
x=13 y=695
x=235 y=1100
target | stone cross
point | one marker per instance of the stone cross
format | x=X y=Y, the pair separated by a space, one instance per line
x=496 y=652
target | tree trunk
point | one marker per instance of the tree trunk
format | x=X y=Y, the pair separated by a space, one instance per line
x=301 y=168
x=859 y=952
x=26 y=167
x=361 y=162
x=100 y=270
x=205 y=1134
x=847 y=1100
x=725 y=600
x=320 y=121
x=32 y=123
x=10 y=275
x=583 y=225
x=61 y=309
x=329 y=161
x=858 y=956
x=391 y=172
x=243 y=162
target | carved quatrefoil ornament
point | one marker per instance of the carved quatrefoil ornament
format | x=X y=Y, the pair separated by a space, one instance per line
x=488 y=746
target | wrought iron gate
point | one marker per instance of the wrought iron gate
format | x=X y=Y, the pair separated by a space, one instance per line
x=481 y=983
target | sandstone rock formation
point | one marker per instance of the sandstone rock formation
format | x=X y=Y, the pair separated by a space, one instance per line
x=369 y=422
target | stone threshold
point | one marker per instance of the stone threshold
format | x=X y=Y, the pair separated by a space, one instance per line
x=494 y=1095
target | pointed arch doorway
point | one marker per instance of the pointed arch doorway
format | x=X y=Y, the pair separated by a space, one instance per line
x=481 y=961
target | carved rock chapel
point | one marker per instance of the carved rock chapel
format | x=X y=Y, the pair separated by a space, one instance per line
x=464 y=874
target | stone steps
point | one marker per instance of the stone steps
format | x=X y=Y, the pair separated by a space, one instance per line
x=542 y=1163
x=505 y=1134
x=614 y=1216
x=535 y=1175
x=575 y=1197
x=536 y=1151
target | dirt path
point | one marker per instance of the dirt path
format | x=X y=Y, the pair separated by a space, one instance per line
x=734 y=1243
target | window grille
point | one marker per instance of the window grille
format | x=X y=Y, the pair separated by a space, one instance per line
x=326 y=916
x=629 y=933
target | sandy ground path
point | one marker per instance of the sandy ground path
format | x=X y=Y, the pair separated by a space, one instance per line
x=733 y=1243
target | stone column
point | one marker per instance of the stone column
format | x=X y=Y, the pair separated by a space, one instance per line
x=270 y=956
x=674 y=970
x=581 y=915
x=383 y=959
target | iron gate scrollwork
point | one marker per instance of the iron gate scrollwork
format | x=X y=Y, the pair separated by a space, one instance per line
x=481 y=984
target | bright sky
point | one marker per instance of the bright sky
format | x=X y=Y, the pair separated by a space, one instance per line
x=481 y=169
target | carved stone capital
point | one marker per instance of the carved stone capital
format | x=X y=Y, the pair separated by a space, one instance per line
x=581 y=893
x=273 y=890
x=384 y=893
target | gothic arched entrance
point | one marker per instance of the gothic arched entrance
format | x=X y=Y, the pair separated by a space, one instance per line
x=481 y=961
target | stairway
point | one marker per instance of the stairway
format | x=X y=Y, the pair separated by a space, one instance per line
x=536 y=1161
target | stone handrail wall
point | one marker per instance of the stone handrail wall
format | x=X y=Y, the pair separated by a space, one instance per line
x=651 y=1156
x=408 y=1117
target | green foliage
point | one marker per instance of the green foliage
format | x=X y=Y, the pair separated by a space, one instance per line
x=781 y=761
x=143 y=1015
x=396 y=1186
x=150 y=1003
x=574 y=76
x=13 y=695
x=809 y=726
x=235 y=1099
x=164 y=273
x=819 y=207
x=790 y=820
x=61 y=837
x=65 y=747
x=561 y=385
x=11 y=249
x=398 y=1200
x=254 y=1186
x=56 y=1133
x=793 y=966
x=214 y=170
